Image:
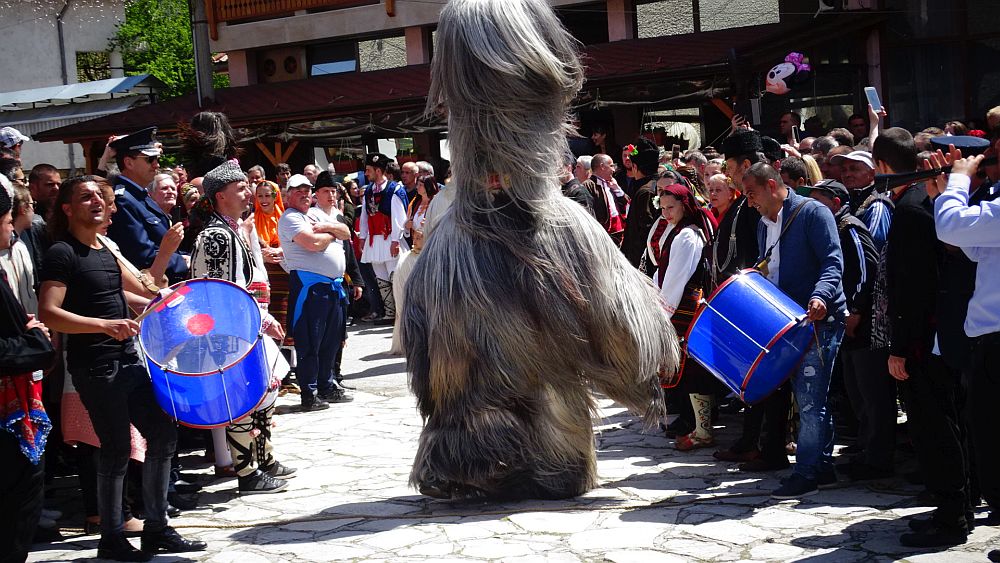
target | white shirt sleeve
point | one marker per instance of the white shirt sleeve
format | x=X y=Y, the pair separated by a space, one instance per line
x=962 y=225
x=398 y=217
x=363 y=230
x=685 y=252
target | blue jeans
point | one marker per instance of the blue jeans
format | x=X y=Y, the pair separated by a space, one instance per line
x=115 y=394
x=814 y=453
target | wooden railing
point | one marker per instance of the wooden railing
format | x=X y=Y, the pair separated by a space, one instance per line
x=222 y=11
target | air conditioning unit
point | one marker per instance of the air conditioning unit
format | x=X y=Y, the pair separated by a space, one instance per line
x=281 y=65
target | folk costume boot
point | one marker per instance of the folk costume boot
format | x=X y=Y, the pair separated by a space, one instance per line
x=388 y=301
x=702 y=435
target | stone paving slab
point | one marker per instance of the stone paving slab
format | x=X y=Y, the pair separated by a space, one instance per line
x=350 y=500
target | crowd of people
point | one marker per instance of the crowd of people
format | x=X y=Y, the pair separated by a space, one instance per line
x=890 y=265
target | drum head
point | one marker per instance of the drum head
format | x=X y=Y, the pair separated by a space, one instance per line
x=205 y=326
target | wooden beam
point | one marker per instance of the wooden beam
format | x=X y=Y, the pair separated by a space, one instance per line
x=291 y=148
x=267 y=154
x=723 y=107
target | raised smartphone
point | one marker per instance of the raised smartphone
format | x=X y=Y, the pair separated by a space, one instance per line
x=873 y=98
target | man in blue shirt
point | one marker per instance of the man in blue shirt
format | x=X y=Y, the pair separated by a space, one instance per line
x=139 y=224
x=801 y=255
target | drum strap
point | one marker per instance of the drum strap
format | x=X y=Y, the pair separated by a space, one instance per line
x=144 y=278
x=762 y=265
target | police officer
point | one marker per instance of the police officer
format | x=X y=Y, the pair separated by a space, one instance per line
x=139 y=224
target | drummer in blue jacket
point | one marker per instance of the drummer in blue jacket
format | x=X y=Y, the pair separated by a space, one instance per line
x=801 y=254
x=139 y=224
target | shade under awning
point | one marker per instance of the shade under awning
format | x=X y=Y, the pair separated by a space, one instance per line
x=31 y=121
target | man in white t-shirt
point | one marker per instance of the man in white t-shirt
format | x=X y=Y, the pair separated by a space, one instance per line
x=316 y=293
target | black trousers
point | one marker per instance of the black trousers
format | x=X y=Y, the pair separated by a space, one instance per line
x=873 y=395
x=984 y=430
x=771 y=417
x=117 y=393
x=934 y=399
x=20 y=500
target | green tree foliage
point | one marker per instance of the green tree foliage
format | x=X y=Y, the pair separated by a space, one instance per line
x=155 y=38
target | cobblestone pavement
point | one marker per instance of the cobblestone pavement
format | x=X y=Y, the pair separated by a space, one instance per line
x=350 y=500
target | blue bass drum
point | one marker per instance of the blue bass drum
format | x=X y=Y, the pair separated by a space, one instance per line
x=205 y=352
x=750 y=335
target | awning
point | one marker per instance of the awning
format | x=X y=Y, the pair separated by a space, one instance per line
x=81 y=92
x=677 y=69
x=32 y=121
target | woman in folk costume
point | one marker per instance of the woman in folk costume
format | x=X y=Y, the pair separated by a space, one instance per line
x=677 y=243
x=268 y=208
x=520 y=301
x=228 y=249
x=416 y=217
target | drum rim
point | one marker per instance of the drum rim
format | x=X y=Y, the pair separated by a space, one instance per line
x=220 y=424
x=762 y=354
x=257 y=342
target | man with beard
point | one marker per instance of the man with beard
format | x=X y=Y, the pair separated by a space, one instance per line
x=383 y=215
x=82 y=297
x=227 y=250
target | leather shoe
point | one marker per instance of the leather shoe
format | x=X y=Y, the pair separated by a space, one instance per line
x=314 y=405
x=936 y=536
x=734 y=456
x=761 y=464
x=186 y=488
x=173 y=511
x=183 y=501
x=994 y=555
x=117 y=548
x=168 y=540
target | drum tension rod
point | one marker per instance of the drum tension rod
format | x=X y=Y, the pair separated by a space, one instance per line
x=738 y=329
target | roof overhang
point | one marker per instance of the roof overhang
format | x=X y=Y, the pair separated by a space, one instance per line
x=679 y=69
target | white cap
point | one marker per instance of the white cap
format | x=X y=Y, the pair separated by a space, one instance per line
x=860 y=156
x=298 y=180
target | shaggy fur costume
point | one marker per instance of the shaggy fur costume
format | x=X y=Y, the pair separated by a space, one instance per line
x=520 y=301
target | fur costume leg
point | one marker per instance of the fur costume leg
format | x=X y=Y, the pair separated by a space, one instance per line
x=403 y=268
x=520 y=302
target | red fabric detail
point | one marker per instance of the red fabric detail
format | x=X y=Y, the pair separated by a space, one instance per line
x=379 y=224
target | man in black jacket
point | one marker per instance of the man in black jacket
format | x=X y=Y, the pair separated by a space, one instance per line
x=932 y=390
x=24 y=348
x=871 y=390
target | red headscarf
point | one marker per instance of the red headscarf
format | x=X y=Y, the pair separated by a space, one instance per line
x=693 y=213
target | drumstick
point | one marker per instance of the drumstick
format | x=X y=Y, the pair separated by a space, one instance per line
x=149 y=310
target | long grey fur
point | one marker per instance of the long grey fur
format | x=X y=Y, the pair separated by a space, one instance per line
x=520 y=301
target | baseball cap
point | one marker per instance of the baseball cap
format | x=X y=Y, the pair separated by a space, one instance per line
x=297 y=181
x=10 y=137
x=859 y=156
x=833 y=188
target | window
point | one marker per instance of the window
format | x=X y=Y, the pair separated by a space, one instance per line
x=382 y=53
x=92 y=65
x=332 y=58
x=667 y=17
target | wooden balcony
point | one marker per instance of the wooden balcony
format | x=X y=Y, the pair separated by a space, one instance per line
x=225 y=11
